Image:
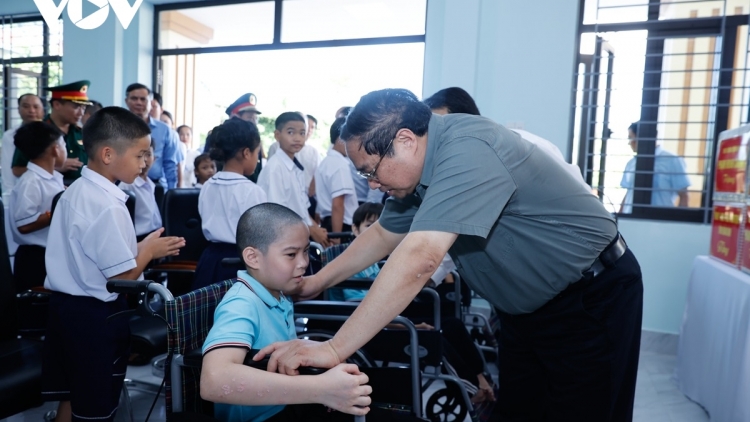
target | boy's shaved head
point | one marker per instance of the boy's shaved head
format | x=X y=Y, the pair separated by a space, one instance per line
x=262 y=224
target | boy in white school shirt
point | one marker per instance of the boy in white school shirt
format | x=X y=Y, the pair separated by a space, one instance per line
x=147 y=215
x=31 y=200
x=337 y=196
x=92 y=240
x=283 y=176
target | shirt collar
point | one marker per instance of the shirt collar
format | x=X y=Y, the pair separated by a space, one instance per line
x=335 y=153
x=103 y=183
x=151 y=122
x=39 y=171
x=227 y=177
x=261 y=291
x=286 y=160
x=434 y=133
x=140 y=182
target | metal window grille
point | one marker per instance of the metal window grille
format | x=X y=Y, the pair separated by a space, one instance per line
x=679 y=69
x=30 y=59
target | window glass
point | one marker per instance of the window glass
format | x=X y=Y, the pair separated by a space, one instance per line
x=315 y=20
x=198 y=88
x=217 y=26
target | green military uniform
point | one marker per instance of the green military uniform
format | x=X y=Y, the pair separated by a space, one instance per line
x=77 y=93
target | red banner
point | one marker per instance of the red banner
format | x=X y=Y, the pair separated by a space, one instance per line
x=745 y=260
x=730 y=166
x=725 y=232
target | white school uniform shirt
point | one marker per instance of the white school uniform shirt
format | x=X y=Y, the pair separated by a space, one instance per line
x=308 y=156
x=91 y=238
x=553 y=151
x=31 y=197
x=6 y=160
x=284 y=183
x=147 y=215
x=333 y=179
x=223 y=199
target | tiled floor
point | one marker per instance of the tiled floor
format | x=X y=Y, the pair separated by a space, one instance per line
x=657 y=398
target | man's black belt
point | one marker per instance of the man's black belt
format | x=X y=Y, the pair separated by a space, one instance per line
x=609 y=256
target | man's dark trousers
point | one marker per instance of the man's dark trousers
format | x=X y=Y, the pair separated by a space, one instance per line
x=576 y=357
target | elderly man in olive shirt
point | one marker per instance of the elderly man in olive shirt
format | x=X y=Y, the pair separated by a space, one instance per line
x=525 y=234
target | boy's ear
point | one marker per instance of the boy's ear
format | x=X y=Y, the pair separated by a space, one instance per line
x=105 y=154
x=276 y=134
x=251 y=256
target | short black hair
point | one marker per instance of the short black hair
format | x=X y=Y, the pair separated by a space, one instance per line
x=158 y=99
x=455 y=99
x=289 y=116
x=336 y=129
x=262 y=224
x=133 y=87
x=365 y=212
x=168 y=114
x=113 y=126
x=33 y=138
x=380 y=114
x=179 y=128
x=201 y=158
x=27 y=95
x=233 y=136
x=93 y=107
x=344 y=111
x=311 y=117
x=634 y=127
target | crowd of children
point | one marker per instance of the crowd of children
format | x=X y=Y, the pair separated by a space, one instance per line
x=268 y=225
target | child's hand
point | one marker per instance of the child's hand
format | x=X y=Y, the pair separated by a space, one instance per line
x=45 y=218
x=159 y=247
x=344 y=389
x=320 y=235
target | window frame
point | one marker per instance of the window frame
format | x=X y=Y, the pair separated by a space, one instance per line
x=275 y=45
x=45 y=59
x=725 y=29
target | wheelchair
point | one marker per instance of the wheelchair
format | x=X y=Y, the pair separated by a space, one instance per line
x=189 y=318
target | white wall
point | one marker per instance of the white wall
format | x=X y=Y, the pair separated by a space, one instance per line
x=517 y=58
x=109 y=56
x=665 y=251
x=18 y=7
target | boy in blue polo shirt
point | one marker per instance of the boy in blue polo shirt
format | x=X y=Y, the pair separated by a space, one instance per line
x=273 y=242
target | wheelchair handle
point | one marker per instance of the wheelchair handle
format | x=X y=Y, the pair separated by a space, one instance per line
x=138 y=287
x=141 y=289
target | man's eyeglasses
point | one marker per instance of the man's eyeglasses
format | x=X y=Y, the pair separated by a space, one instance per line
x=371 y=174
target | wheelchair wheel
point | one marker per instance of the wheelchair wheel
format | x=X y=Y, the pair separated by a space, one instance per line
x=446 y=406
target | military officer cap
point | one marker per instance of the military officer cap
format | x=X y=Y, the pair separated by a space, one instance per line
x=76 y=92
x=246 y=102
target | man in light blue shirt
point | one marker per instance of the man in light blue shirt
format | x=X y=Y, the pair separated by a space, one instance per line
x=670 y=180
x=167 y=153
